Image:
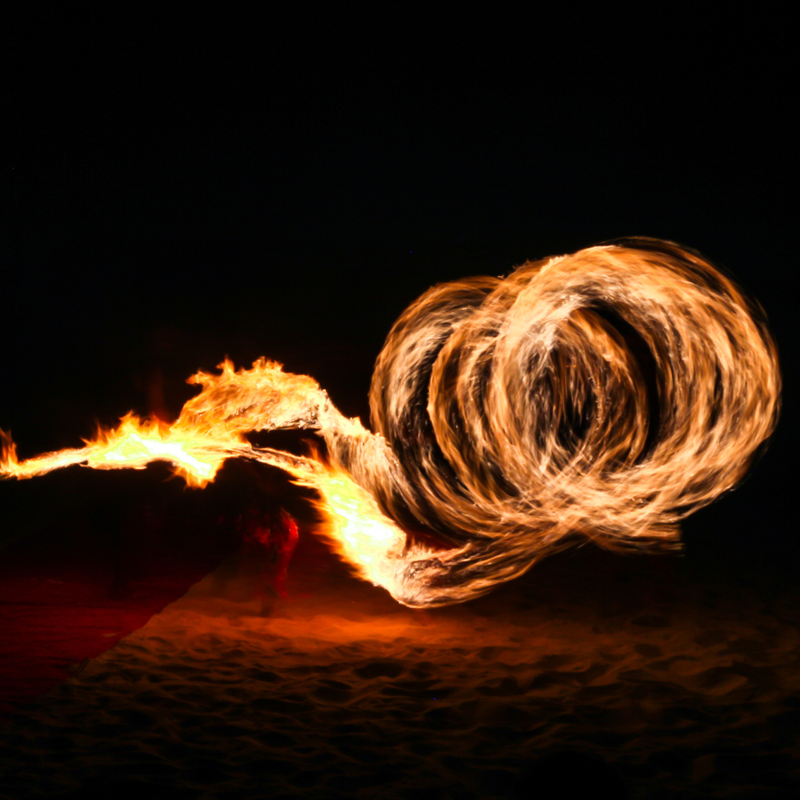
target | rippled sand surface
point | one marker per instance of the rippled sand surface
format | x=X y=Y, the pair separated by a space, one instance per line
x=595 y=674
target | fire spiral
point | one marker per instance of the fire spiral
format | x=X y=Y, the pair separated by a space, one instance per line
x=605 y=394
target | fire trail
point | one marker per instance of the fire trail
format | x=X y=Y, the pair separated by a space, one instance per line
x=605 y=395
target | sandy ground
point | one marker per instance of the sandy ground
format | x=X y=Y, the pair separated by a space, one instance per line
x=594 y=675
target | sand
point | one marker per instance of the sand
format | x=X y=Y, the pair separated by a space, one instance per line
x=594 y=675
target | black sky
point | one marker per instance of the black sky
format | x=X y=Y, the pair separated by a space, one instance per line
x=185 y=189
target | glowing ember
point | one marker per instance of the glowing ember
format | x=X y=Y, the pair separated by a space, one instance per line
x=606 y=394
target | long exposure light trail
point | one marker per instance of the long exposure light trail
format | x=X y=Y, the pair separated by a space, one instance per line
x=605 y=395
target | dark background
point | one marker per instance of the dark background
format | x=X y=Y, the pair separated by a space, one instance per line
x=188 y=188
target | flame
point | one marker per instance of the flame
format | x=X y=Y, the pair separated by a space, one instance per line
x=606 y=394
x=210 y=428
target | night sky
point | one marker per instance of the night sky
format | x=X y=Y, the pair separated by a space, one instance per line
x=186 y=189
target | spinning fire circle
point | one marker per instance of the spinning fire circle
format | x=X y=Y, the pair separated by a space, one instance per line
x=604 y=394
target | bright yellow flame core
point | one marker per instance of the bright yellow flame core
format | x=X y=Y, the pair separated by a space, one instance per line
x=135 y=444
x=365 y=537
x=513 y=416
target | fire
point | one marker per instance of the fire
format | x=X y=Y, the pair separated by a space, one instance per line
x=210 y=428
x=605 y=394
x=362 y=534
